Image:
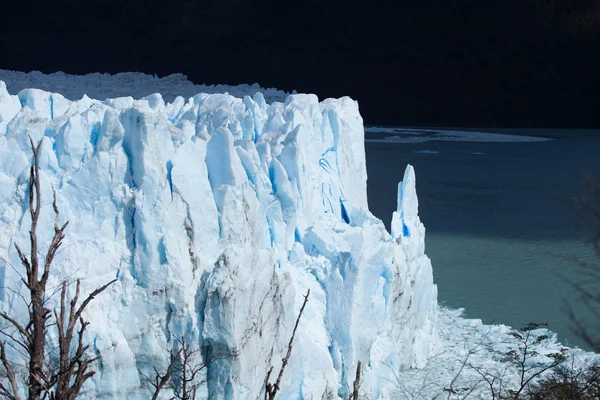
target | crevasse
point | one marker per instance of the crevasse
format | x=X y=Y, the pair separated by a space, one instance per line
x=217 y=214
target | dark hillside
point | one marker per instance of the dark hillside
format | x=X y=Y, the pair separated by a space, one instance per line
x=432 y=62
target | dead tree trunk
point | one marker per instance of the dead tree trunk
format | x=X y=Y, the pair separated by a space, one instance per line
x=30 y=337
x=354 y=395
x=271 y=389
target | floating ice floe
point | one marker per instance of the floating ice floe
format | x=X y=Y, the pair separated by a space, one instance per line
x=407 y=135
x=426 y=152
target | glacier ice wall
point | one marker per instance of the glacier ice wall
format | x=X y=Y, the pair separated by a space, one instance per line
x=216 y=214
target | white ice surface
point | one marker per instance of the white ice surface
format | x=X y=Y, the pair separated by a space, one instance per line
x=217 y=214
x=407 y=135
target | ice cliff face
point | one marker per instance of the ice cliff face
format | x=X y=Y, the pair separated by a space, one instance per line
x=217 y=214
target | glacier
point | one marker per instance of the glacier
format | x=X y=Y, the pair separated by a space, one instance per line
x=216 y=214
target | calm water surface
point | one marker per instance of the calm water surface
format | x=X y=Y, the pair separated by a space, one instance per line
x=500 y=234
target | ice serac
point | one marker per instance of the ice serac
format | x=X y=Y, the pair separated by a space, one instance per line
x=217 y=214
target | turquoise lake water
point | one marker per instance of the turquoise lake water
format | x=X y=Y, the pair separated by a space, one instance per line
x=500 y=233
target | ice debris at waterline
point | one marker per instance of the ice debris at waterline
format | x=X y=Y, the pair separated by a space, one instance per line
x=216 y=214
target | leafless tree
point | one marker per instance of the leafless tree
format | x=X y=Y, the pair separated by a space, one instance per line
x=520 y=358
x=463 y=392
x=161 y=380
x=187 y=369
x=65 y=381
x=73 y=368
x=271 y=389
x=425 y=384
x=569 y=381
x=185 y=373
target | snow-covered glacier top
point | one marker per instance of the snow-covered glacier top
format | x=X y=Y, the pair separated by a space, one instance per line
x=217 y=214
x=126 y=84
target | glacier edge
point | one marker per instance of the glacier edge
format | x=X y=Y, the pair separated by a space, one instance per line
x=217 y=214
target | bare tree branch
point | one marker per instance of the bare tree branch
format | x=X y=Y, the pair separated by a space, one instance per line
x=272 y=389
x=73 y=368
x=17 y=325
x=25 y=348
x=182 y=373
x=10 y=375
x=354 y=395
x=161 y=380
x=520 y=359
